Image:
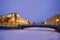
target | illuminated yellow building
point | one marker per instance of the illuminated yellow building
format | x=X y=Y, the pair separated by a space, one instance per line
x=54 y=20
x=13 y=19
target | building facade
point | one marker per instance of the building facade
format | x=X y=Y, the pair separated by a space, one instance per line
x=54 y=20
x=13 y=19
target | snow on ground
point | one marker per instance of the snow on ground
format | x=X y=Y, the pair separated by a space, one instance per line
x=29 y=34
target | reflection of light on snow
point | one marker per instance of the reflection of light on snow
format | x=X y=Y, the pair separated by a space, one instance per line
x=39 y=29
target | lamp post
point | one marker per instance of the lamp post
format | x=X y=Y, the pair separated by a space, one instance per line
x=57 y=21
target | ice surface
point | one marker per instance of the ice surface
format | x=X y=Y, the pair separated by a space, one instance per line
x=29 y=35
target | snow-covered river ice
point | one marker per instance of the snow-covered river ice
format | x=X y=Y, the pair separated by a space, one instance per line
x=32 y=33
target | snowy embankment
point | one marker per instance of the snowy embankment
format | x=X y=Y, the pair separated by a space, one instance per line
x=30 y=34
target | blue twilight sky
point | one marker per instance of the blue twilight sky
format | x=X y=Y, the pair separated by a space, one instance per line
x=34 y=10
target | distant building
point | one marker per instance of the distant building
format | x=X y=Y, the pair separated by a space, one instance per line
x=41 y=23
x=13 y=19
x=54 y=20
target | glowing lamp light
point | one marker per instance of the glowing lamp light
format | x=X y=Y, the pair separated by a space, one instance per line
x=57 y=20
x=45 y=22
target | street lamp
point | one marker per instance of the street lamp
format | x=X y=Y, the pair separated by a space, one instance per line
x=57 y=20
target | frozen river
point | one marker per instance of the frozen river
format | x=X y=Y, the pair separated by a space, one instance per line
x=30 y=34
